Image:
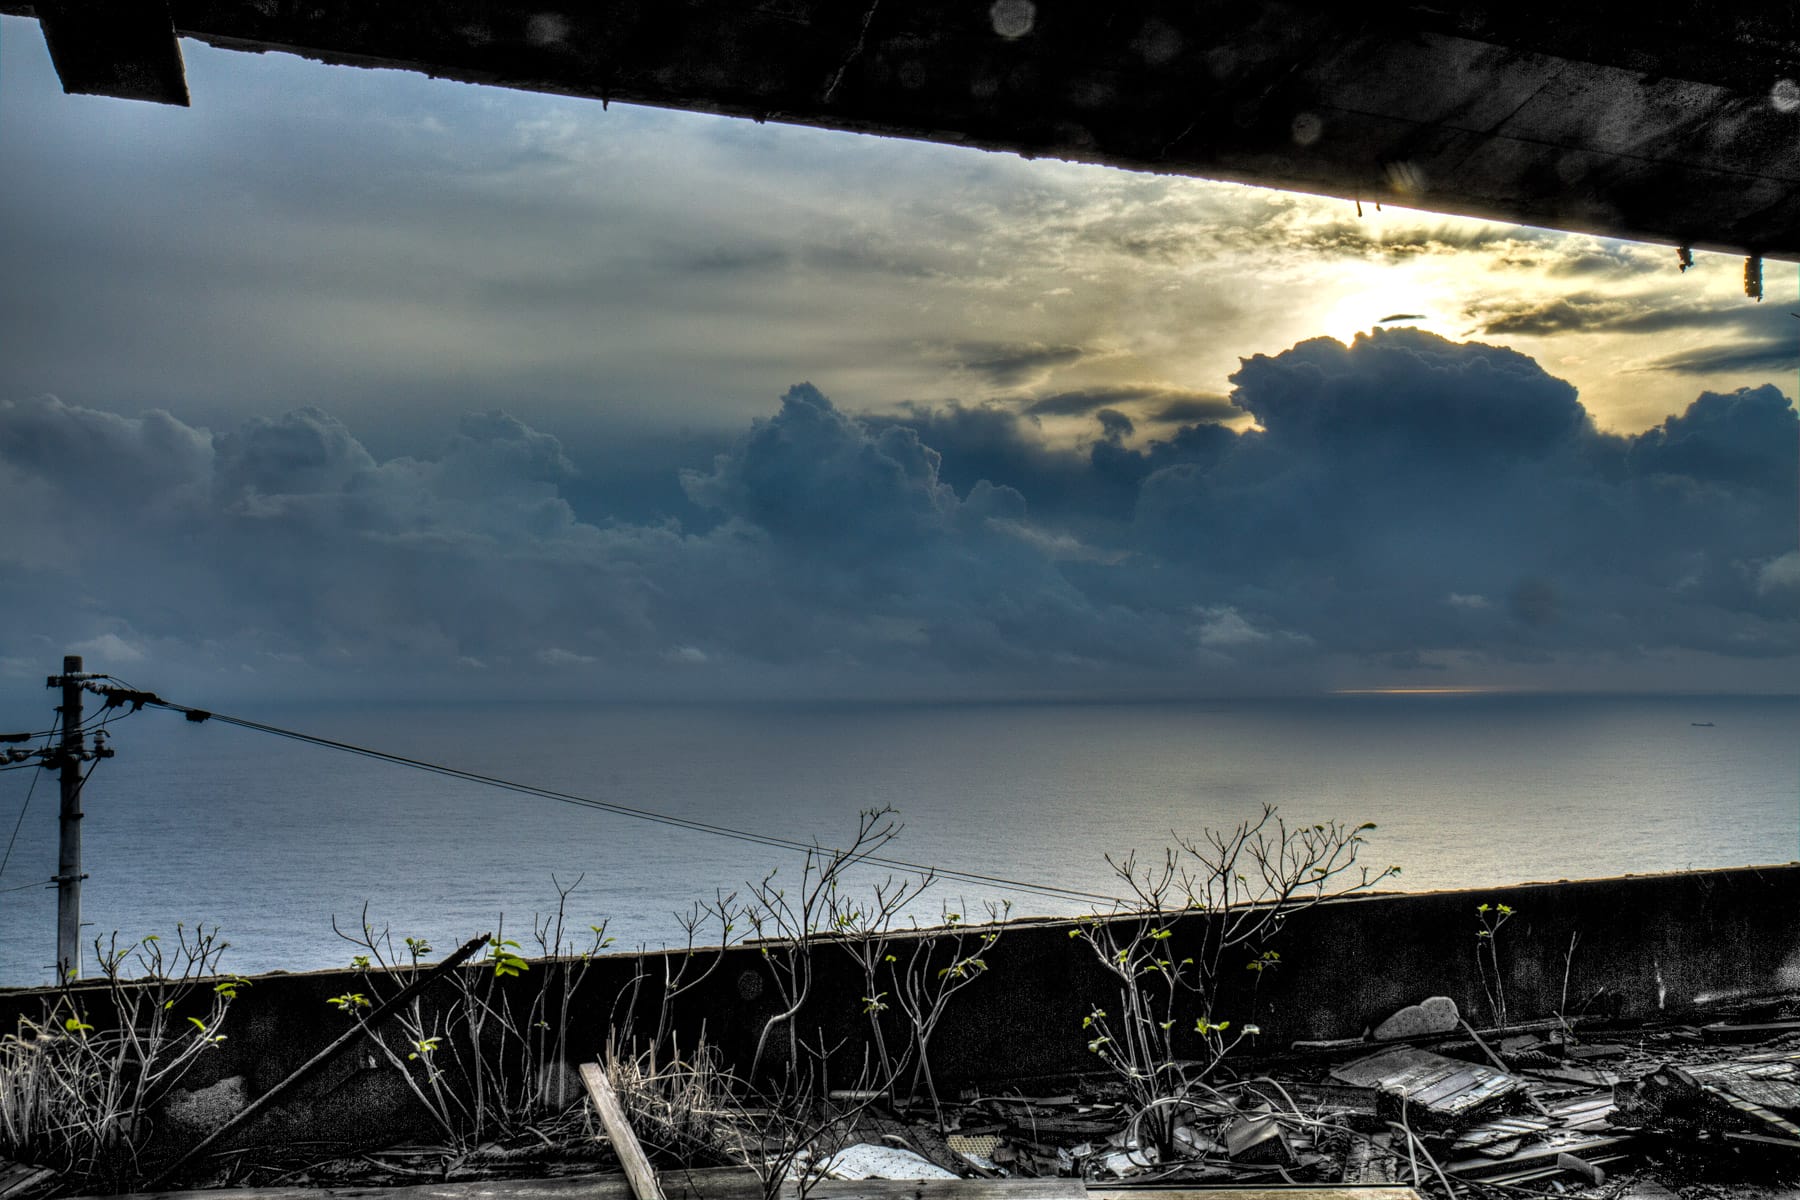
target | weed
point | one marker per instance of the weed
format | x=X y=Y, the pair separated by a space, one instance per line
x=78 y=1088
x=481 y=1065
x=1244 y=883
x=1487 y=957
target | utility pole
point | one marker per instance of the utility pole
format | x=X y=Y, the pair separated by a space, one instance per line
x=69 y=756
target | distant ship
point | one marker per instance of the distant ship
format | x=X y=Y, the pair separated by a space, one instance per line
x=1701 y=724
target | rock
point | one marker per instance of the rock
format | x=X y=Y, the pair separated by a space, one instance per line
x=1436 y=1015
x=866 y=1160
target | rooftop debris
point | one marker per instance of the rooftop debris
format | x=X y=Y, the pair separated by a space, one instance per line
x=1754 y=1096
x=1618 y=1112
x=1446 y=1089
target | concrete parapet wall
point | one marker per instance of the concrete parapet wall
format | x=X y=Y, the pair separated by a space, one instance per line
x=1642 y=947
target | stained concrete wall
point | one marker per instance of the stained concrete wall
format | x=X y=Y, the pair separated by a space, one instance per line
x=1587 y=116
x=1658 y=945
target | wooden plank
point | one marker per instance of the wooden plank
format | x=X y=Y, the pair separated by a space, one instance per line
x=618 y=1127
x=709 y=1183
x=17 y=1179
x=943 y=1189
x=1324 y=1192
x=737 y=1183
x=1541 y=1155
x=1447 y=1088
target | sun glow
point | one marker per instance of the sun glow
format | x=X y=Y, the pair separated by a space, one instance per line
x=1385 y=307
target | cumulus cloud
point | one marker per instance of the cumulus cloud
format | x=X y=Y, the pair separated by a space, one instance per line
x=1401 y=502
x=110 y=647
x=1225 y=626
x=1781 y=573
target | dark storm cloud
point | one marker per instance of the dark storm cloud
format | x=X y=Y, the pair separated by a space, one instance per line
x=1407 y=491
x=1013 y=364
x=1404 y=236
x=997 y=443
x=1080 y=404
x=1593 y=312
x=1197 y=408
x=1770 y=356
x=1541 y=318
x=1402 y=500
x=1165 y=405
x=1115 y=426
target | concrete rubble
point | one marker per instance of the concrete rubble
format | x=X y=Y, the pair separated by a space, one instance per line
x=1563 y=1108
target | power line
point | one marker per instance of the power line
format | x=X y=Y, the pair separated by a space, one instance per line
x=7 y=857
x=762 y=839
x=18 y=824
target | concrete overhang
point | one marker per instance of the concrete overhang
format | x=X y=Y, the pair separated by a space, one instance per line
x=1676 y=123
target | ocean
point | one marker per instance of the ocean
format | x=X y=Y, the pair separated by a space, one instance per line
x=270 y=840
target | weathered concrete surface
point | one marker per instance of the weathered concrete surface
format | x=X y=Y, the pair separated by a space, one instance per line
x=106 y=49
x=1658 y=945
x=1592 y=115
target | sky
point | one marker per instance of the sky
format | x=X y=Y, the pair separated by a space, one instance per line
x=351 y=382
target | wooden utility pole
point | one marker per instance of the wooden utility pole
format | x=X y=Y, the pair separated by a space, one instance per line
x=69 y=756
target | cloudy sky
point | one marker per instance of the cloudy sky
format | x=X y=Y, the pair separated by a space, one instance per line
x=356 y=381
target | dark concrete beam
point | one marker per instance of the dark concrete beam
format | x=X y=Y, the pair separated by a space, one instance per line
x=106 y=48
x=1584 y=115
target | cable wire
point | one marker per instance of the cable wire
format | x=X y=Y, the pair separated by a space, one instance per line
x=18 y=824
x=7 y=857
x=1002 y=883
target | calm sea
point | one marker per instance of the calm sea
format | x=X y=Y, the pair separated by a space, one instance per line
x=271 y=839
